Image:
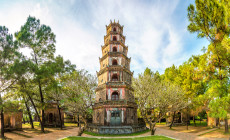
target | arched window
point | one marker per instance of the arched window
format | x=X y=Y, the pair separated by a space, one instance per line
x=114 y=29
x=114 y=38
x=114 y=62
x=114 y=77
x=114 y=49
x=115 y=96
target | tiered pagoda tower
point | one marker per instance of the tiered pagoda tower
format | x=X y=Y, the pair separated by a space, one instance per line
x=115 y=105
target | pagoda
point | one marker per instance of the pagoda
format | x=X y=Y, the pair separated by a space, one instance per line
x=115 y=110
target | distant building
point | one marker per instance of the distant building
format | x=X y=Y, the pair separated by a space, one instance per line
x=214 y=122
x=115 y=110
x=52 y=115
x=12 y=119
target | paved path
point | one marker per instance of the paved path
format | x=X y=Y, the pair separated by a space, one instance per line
x=206 y=131
x=182 y=135
x=73 y=131
x=53 y=135
x=57 y=134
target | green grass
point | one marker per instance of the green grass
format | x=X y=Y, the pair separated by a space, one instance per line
x=36 y=124
x=70 y=124
x=107 y=135
x=137 y=138
x=203 y=123
x=162 y=123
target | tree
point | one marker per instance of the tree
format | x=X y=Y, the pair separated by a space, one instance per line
x=41 y=41
x=79 y=90
x=210 y=19
x=157 y=96
x=8 y=54
x=55 y=85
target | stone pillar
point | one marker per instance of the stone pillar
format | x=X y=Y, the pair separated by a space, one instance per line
x=122 y=116
x=109 y=76
x=121 y=94
x=109 y=96
x=108 y=116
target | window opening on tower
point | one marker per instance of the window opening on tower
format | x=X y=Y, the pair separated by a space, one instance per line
x=114 y=29
x=114 y=49
x=114 y=62
x=114 y=77
x=115 y=96
x=114 y=38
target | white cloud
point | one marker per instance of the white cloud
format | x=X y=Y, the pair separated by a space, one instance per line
x=153 y=38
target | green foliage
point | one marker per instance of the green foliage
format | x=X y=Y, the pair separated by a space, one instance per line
x=209 y=18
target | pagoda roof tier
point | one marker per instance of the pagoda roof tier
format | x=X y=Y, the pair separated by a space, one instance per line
x=114 y=68
x=114 y=42
x=114 y=33
x=115 y=54
x=113 y=24
x=115 y=104
x=114 y=84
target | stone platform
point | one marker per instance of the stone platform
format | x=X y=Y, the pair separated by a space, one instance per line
x=116 y=129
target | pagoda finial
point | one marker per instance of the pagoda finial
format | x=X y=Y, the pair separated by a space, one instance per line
x=118 y=21
x=110 y=21
x=114 y=20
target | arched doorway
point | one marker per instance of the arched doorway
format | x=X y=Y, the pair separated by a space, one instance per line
x=51 y=118
x=115 y=96
x=115 y=77
x=114 y=62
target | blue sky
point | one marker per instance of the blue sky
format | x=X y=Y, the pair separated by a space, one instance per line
x=156 y=30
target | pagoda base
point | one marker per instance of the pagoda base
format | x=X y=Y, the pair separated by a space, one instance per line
x=116 y=129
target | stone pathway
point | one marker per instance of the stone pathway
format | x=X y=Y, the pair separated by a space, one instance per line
x=206 y=131
x=73 y=131
x=183 y=135
x=53 y=135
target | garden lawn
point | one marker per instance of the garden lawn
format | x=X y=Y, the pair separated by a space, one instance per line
x=133 y=138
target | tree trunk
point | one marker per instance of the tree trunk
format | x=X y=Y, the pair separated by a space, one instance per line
x=226 y=125
x=173 y=119
x=2 y=124
x=29 y=114
x=187 y=119
x=78 y=120
x=43 y=111
x=218 y=123
x=194 y=120
x=152 y=128
x=23 y=120
x=39 y=119
x=59 y=112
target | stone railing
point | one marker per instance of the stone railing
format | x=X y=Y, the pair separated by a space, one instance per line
x=115 y=102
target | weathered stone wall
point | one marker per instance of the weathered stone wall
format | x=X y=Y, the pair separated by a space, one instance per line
x=52 y=116
x=101 y=95
x=98 y=116
x=12 y=120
